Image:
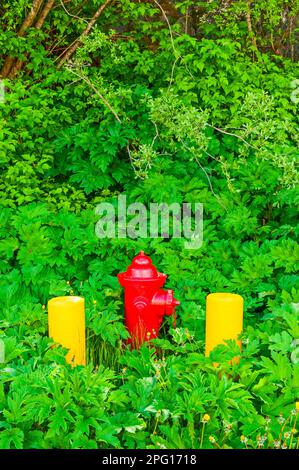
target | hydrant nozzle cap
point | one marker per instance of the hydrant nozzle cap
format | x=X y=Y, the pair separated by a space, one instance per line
x=142 y=268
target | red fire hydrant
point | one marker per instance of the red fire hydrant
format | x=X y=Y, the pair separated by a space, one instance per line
x=145 y=302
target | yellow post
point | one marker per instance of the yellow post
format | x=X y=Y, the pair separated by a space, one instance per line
x=224 y=319
x=67 y=326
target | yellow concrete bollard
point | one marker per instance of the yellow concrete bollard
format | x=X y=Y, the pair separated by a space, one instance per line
x=66 y=320
x=224 y=319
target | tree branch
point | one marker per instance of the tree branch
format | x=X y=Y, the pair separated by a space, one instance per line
x=74 y=46
x=71 y=15
x=232 y=134
x=106 y=103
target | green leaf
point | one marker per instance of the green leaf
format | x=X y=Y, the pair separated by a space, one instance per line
x=11 y=439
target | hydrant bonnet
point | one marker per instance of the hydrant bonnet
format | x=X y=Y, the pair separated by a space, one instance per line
x=141 y=269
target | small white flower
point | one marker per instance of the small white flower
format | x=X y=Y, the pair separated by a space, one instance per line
x=276 y=444
x=281 y=419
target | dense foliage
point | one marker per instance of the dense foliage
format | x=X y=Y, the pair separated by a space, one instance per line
x=162 y=101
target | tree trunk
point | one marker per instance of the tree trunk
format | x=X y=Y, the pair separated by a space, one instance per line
x=18 y=64
x=46 y=10
x=27 y=23
x=249 y=25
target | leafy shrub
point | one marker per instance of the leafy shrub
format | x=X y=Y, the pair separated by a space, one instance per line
x=171 y=118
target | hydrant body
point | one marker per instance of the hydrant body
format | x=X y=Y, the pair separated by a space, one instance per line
x=145 y=302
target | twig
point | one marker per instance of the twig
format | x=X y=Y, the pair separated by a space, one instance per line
x=200 y=165
x=208 y=178
x=210 y=183
x=172 y=71
x=64 y=50
x=168 y=24
x=71 y=15
x=156 y=136
x=74 y=46
x=73 y=82
x=176 y=55
x=130 y=157
x=205 y=173
x=96 y=91
x=55 y=45
x=232 y=134
x=211 y=156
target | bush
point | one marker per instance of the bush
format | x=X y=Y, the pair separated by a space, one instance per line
x=158 y=114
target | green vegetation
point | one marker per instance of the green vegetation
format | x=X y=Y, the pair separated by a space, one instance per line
x=173 y=101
